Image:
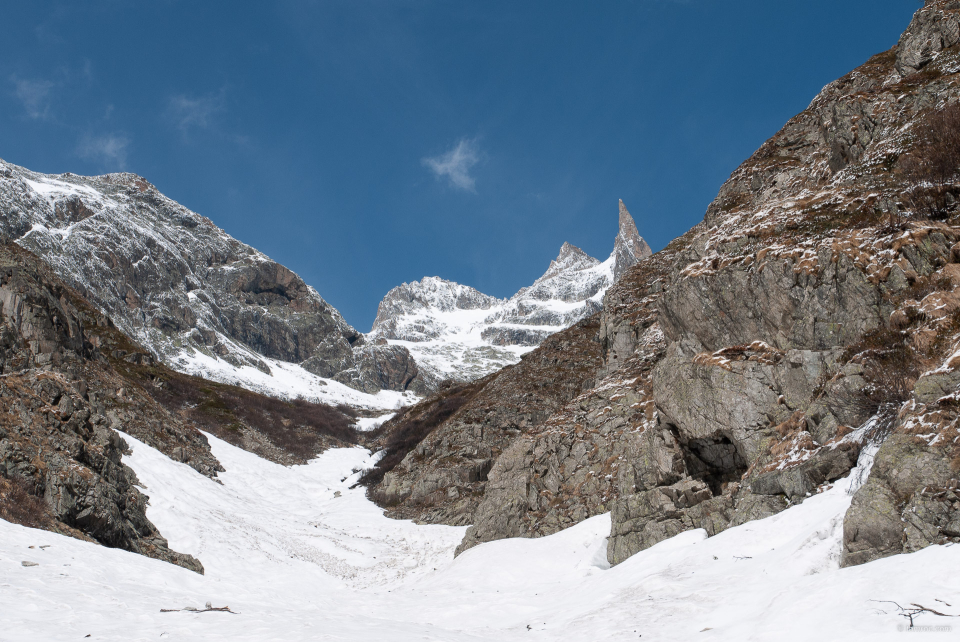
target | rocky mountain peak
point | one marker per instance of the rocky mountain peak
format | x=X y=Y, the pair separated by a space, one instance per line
x=195 y=297
x=629 y=247
x=570 y=259
x=401 y=314
x=456 y=332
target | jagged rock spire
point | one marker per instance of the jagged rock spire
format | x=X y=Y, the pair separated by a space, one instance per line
x=629 y=247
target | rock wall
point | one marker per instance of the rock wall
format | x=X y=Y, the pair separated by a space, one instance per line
x=443 y=479
x=61 y=404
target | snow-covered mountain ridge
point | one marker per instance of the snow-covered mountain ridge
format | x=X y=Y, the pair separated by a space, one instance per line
x=199 y=299
x=207 y=304
x=457 y=332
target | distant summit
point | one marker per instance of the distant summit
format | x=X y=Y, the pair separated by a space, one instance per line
x=456 y=332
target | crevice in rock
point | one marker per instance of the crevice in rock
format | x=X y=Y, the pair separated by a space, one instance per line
x=481 y=471
x=714 y=460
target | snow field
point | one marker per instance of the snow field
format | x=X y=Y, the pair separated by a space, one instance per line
x=301 y=556
x=287 y=381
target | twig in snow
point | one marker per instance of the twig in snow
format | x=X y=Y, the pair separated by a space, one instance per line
x=190 y=609
x=915 y=610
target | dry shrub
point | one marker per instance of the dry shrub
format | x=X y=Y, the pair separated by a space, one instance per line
x=932 y=167
x=890 y=368
x=793 y=425
x=19 y=503
x=796 y=442
x=405 y=432
x=297 y=427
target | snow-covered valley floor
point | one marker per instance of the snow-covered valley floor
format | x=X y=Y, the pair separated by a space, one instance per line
x=298 y=562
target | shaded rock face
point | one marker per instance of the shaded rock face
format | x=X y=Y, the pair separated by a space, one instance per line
x=579 y=461
x=443 y=479
x=170 y=278
x=746 y=365
x=456 y=332
x=61 y=403
x=380 y=367
x=49 y=436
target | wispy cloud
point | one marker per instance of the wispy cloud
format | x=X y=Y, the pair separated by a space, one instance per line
x=188 y=112
x=34 y=95
x=455 y=165
x=109 y=150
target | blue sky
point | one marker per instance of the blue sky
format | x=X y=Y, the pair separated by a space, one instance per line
x=365 y=143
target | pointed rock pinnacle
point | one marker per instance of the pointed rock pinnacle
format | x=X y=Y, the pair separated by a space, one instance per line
x=629 y=248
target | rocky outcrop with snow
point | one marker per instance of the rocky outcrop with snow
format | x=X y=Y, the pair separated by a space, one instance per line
x=200 y=300
x=60 y=405
x=456 y=332
x=811 y=319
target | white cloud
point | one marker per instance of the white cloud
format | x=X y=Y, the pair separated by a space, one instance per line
x=187 y=112
x=455 y=165
x=35 y=96
x=109 y=150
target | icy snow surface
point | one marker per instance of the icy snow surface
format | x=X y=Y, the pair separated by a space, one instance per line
x=297 y=562
x=366 y=424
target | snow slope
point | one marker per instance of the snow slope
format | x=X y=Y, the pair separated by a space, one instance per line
x=288 y=381
x=298 y=562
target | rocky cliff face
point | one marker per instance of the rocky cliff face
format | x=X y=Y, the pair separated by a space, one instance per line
x=197 y=298
x=811 y=319
x=443 y=478
x=72 y=383
x=60 y=403
x=456 y=332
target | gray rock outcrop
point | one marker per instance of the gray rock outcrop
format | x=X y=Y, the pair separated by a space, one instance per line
x=746 y=365
x=61 y=404
x=442 y=479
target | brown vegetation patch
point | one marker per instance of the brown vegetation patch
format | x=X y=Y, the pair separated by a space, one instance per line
x=890 y=367
x=403 y=433
x=932 y=167
x=299 y=428
x=19 y=503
